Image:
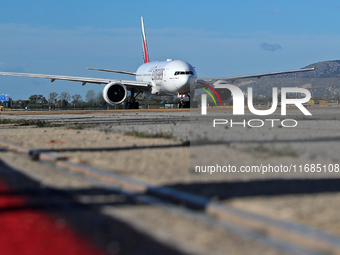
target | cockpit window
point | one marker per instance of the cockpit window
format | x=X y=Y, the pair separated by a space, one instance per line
x=184 y=73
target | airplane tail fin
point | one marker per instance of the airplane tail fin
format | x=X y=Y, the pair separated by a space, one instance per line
x=145 y=47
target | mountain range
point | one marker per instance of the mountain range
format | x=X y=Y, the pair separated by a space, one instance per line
x=323 y=82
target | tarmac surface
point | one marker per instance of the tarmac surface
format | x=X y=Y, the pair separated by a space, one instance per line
x=315 y=136
x=105 y=140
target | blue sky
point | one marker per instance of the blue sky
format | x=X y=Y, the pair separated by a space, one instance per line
x=219 y=38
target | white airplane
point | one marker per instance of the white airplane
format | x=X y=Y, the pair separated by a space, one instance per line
x=170 y=77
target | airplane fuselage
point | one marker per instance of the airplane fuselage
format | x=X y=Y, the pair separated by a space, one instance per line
x=168 y=77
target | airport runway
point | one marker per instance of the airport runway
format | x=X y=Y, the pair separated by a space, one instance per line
x=100 y=140
x=314 y=136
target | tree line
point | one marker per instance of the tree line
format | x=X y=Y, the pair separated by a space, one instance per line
x=62 y=100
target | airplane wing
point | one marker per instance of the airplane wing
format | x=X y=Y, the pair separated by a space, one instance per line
x=83 y=80
x=232 y=79
x=112 y=71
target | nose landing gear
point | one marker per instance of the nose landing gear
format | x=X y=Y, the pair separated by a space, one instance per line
x=187 y=104
x=184 y=104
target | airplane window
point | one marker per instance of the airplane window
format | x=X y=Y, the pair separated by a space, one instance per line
x=182 y=72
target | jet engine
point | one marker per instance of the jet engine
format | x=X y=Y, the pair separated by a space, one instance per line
x=225 y=94
x=114 y=93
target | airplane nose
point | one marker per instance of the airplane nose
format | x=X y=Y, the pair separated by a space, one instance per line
x=192 y=82
x=187 y=83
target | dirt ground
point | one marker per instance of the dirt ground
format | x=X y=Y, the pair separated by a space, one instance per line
x=166 y=162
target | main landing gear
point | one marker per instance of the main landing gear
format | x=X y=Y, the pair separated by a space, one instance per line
x=131 y=102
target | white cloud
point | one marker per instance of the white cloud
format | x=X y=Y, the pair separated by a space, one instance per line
x=272 y=12
x=270 y=47
x=275 y=11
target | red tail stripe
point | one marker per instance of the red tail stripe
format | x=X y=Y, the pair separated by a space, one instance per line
x=146 y=58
